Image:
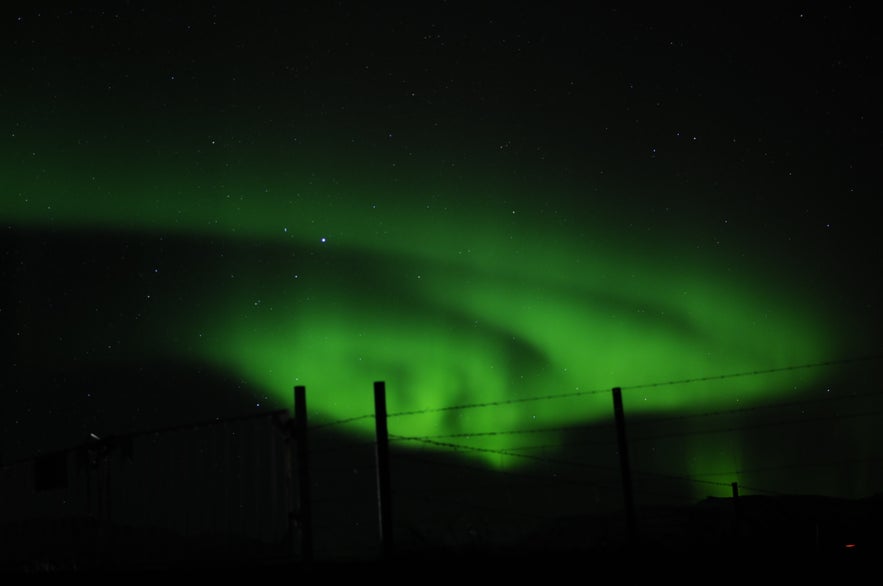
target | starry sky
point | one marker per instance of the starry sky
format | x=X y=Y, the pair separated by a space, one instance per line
x=517 y=206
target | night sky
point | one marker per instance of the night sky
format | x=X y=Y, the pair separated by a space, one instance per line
x=518 y=206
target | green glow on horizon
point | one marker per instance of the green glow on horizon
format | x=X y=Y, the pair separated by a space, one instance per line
x=449 y=300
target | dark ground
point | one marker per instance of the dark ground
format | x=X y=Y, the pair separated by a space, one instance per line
x=789 y=535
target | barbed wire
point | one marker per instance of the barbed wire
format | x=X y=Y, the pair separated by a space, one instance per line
x=498 y=403
x=647 y=422
x=647 y=475
x=504 y=472
x=572 y=394
x=824 y=464
x=751 y=408
x=778 y=423
x=497 y=452
x=747 y=373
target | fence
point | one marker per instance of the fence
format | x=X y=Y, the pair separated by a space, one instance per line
x=202 y=491
x=787 y=473
x=798 y=471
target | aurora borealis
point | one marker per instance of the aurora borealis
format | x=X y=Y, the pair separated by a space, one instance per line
x=481 y=208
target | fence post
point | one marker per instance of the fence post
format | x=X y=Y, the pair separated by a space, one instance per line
x=624 y=465
x=737 y=511
x=305 y=517
x=383 y=482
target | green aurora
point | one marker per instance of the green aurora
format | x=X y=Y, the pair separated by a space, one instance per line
x=334 y=280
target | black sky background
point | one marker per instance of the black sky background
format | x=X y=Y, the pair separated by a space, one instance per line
x=784 y=99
